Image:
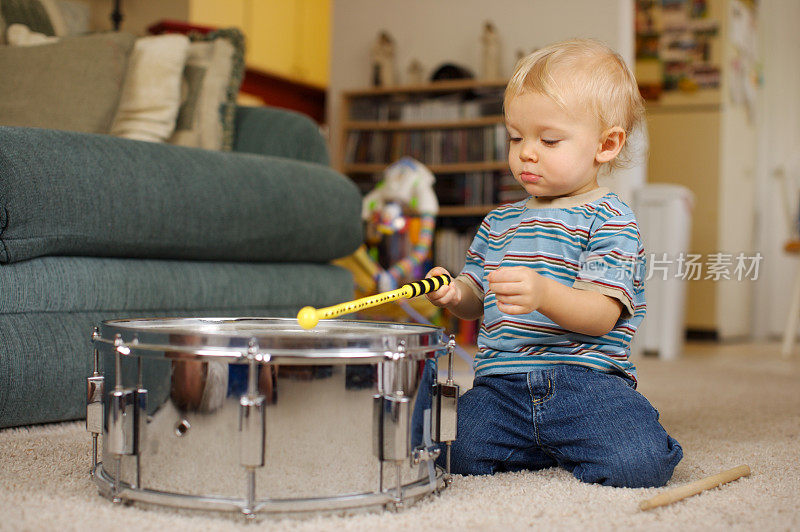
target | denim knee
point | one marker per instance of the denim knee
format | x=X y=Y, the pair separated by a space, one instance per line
x=645 y=468
x=464 y=460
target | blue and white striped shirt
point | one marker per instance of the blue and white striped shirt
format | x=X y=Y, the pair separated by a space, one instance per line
x=589 y=242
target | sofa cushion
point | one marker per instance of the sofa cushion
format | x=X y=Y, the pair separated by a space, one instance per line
x=211 y=80
x=50 y=305
x=84 y=284
x=151 y=96
x=73 y=84
x=65 y=193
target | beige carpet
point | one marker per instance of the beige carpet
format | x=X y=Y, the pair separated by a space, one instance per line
x=727 y=405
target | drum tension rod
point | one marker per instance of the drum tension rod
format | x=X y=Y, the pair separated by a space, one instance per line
x=446 y=409
x=126 y=416
x=252 y=427
x=95 y=387
x=391 y=421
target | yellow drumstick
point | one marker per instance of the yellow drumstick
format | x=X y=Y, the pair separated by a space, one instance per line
x=309 y=316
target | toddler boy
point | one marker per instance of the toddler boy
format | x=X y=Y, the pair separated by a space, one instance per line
x=558 y=279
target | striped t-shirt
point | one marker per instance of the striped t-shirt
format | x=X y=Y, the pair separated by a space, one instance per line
x=590 y=242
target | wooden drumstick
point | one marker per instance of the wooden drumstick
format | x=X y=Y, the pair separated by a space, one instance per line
x=309 y=316
x=693 y=488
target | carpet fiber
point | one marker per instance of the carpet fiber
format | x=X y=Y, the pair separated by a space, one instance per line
x=726 y=405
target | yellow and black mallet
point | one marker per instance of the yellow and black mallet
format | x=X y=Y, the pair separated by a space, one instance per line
x=309 y=316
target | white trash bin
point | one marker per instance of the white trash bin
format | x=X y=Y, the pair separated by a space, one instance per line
x=664 y=214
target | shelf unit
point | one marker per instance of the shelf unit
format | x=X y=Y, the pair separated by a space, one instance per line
x=454 y=127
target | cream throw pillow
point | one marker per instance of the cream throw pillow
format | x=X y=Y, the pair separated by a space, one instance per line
x=150 y=97
x=213 y=74
x=21 y=35
x=208 y=69
x=41 y=16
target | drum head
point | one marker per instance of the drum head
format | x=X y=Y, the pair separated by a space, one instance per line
x=272 y=338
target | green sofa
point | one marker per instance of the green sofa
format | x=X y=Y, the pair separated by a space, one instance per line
x=94 y=227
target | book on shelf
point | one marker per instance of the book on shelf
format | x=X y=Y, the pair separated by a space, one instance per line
x=470 y=189
x=430 y=146
x=469 y=105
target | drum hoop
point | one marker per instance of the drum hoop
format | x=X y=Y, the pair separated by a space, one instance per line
x=394 y=342
x=418 y=488
x=274 y=356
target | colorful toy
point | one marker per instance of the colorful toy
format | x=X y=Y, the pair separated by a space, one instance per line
x=407 y=187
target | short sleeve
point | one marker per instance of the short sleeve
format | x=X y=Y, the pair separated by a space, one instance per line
x=614 y=262
x=472 y=274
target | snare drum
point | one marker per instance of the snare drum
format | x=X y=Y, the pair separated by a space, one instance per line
x=258 y=415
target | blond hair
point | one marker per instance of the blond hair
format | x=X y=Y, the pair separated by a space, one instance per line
x=591 y=72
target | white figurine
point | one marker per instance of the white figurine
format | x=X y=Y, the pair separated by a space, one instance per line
x=415 y=73
x=383 y=61
x=490 y=43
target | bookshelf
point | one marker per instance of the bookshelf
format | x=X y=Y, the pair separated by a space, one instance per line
x=454 y=127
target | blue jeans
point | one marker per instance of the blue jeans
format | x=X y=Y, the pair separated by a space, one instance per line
x=593 y=424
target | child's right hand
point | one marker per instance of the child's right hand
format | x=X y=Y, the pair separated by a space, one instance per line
x=448 y=295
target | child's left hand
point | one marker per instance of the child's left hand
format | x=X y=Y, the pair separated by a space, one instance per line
x=518 y=289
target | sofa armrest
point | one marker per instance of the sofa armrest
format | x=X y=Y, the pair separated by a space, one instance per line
x=66 y=193
x=279 y=132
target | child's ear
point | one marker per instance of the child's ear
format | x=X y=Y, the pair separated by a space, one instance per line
x=611 y=142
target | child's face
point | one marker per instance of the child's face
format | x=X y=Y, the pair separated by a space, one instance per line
x=552 y=153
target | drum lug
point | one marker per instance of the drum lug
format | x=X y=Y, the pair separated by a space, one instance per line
x=121 y=421
x=126 y=420
x=391 y=422
x=95 y=386
x=445 y=402
x=445 y=408
x=139 y=419
x=445 y=411
x=252 y=430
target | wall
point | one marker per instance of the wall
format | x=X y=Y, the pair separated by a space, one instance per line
x=285 y=37
x=779 y=138
x=441 y=31
x=706 y=141
x=737 y=206
x=288 y=38
x=137 y=14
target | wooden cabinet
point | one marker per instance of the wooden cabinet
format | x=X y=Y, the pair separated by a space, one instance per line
x=708 y=146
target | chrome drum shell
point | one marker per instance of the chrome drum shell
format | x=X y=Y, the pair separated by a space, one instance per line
x=260 y=416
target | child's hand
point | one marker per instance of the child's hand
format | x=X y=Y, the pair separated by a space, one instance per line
x=518 y=289
x=446 y=296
